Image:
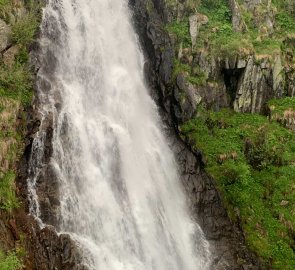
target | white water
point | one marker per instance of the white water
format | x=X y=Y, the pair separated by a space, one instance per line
x=120 y=192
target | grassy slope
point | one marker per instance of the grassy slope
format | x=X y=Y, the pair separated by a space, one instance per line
x=221 y=38
x=15 y=95
x=253 y=161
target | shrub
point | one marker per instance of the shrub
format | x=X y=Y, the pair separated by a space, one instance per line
x=9 y=261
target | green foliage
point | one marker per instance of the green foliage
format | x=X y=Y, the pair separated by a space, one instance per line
x=285 y=22
x=193 y=75
x=16 y=82
x=285 y=5
x=10 y=261
x=252 y=160
x=215 y=4
x=181 y=31
x=281 y=105
x=221 y=38
x=219 y=32
x=267 y=46
x=3 y=2
x=16 y=79
x=23 y=31
x=8 y=200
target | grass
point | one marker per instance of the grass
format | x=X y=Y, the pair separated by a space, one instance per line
x=281 y=105
x=16 y=87
x=16 y=80
x=181 y=32
x=10 y=261
x=194 y=75
x=252 y=160
x=8 y=200
x=16 y=91
x=16 y=83
x=23 y=30
x=223 y=41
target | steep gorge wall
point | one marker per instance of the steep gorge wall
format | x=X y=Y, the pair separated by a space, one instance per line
x=226 y=238
x=226 y=84
x=240 y=60
x=22 y=242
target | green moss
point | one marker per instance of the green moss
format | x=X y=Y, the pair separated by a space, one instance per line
x=23 y=30
x=252 y=160
x=193 y=75
x=181 y=32
x=10 y=261
x=16 y=82
x=221 y=38
x=281 y=105
x=16 y=79
x=8 y=200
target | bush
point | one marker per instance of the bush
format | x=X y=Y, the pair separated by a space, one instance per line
x=10 y=261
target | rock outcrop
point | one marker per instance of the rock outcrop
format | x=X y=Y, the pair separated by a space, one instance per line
x=226 y=238
x=239 y=77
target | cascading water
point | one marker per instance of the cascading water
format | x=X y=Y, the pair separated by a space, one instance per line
x=120 y=194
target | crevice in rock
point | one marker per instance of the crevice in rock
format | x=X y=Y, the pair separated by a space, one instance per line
x=231 y=80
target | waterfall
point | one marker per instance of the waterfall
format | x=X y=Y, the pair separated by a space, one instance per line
x=120 y=195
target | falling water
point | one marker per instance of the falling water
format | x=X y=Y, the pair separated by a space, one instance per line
x=120 y=194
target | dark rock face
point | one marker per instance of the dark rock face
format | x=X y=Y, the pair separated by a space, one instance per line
x=226 y=239
x=45 y=249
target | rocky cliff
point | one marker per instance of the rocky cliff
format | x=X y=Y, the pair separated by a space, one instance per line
x=200 y=55
x=23 y=244
x=210 y=55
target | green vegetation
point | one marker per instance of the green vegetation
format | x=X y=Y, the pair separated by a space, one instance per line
x=194 y=75
x=15 y=75
x=282 y=105
x=16 y=83
x=181 y=31
x=8 y=200
x=23 y=31
x=10 y=261
x=219 y=33
x=3 y=3
x=15 y=89
x=219 y=39
x=253 y=162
